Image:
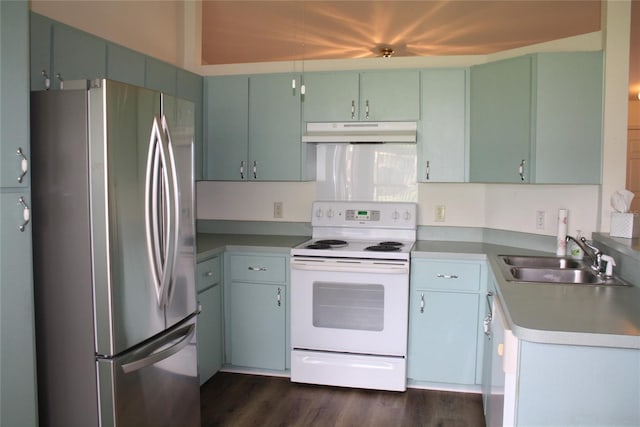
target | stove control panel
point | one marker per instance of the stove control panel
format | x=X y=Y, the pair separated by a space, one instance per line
x=362 y=215
x=394 y=215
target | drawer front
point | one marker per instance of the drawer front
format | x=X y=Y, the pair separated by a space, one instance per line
x=446 y=275
x=208 y=273
x=258 y=269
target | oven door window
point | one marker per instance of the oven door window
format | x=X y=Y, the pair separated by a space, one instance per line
x=348 y=306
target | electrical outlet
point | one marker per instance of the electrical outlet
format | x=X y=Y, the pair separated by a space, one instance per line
x=540 y=220
x=440 y=212
x=277 y=209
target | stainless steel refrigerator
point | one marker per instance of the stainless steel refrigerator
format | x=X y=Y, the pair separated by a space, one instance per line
x=114 y=256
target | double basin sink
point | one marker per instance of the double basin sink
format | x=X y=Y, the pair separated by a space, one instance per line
x=547 y=269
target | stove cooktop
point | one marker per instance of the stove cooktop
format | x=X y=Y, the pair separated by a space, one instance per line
x=354 y=248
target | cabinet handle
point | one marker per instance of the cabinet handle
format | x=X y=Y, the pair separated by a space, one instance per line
x=366 y=110
x=255 y=169
x=61 y=80
x=521 y=169
x=489 y=297
x=47 y=80
x=251 y=268
x=26 y=213
x=421 y=302
x=427 y=169
x=242 y=169
x=353 y=109
x=24 y=164
x=209 y=273
x=446 y=276
x=279 y=297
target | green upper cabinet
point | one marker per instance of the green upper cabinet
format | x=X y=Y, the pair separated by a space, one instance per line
x=331 y=96
x=253 y=129
x=568 y=118
x=189 y=86
x=14 y=102
x=76 y=55
x=40 y=50
x=370 y=95
x=275 y=149
x=390 y=95
x=227 y=132
x=500 y=121
x=125 y=65
x=160 y=76
x=443 y=133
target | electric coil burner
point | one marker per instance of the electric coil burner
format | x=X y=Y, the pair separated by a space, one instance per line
x=350 y=294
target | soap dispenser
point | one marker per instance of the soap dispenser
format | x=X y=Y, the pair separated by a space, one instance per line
x=574 y=250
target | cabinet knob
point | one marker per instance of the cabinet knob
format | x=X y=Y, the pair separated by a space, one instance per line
x=255 y=169
x=279 y=297
x=427 y=171
x=209 y=273
x=242 y=169
x=353 y=109
x=521 y=169
x=366 y=110
x=421 y=302
x=47 y=80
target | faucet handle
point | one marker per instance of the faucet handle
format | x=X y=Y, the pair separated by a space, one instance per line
x=595 y=250
x=609 y=263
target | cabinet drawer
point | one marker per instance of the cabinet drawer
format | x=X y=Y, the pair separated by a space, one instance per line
x=258 y=269
x=445 y=275
x=208 y=273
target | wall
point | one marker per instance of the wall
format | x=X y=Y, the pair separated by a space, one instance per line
x=151 y=27
x=474 y=205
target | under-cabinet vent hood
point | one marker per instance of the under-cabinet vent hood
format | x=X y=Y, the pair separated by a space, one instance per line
x=361 y=132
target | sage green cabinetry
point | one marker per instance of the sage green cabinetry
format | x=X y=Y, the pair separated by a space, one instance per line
x=256 y=334
x=125 y=65
x=368 y=95
x=443 y=134
x=41 y=29
x=76 y=55
x=500 y=121
x=254 y=129
x=210 y=342
x=160 y=76
x=444 y=321
x=568 y=118
x=537 y=119
x=18 y=403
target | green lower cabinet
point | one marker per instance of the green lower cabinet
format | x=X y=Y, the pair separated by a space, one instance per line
x=443 y=332
x=210 y=332
x=258 y=325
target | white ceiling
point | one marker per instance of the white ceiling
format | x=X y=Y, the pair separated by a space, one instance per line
x=241 y=31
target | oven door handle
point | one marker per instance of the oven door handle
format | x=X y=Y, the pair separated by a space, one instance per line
x=353 y=267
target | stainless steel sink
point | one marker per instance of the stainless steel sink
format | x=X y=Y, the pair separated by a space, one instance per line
x=542 y=262
x=546 y=269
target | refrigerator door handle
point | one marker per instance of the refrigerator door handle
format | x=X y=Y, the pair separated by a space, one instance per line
x=160 y=212
x=154 y=356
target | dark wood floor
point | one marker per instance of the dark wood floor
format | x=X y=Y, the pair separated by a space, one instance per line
x=230 y=399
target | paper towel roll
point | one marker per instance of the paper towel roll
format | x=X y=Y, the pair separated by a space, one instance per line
x=563 y=217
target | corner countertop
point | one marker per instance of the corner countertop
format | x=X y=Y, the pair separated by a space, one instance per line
x=209 y=245
x=604 y=316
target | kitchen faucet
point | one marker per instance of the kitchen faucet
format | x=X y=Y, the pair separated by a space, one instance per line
x=591 y=251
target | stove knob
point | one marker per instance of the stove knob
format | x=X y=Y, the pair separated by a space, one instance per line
x=330 y=213
x=407 y=215
x=319 y=213
x=395 y=214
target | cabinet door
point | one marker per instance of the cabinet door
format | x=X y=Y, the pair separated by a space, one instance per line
x=190 y=86
x=441 y=149
x=257 y=325
x=390 y=95
x=227 y=129
x=330 y=97
x=210 y=332
x=77 y=55
x=568 y=132
x=274 y=128
x=160 y=76
x=17 y=352
x=500 y=121
x=14 y=132
x=125 y=65
x=443 y=329
x=40 y=49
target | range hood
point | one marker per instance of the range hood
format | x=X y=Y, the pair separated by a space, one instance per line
x=361 y=132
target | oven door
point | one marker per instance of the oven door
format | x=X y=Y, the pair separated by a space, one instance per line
x=350 y=305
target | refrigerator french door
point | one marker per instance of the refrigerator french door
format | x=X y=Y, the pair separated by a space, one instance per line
x=114 y=256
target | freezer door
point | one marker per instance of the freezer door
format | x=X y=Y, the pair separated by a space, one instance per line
x=180 y=118
x=155 y=385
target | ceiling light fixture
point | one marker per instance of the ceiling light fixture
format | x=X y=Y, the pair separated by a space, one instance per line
x=386 y=52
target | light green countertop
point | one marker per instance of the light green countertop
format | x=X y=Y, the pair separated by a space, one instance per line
x=209 y=245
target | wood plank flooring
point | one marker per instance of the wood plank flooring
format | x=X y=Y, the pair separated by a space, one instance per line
x=230 y=399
